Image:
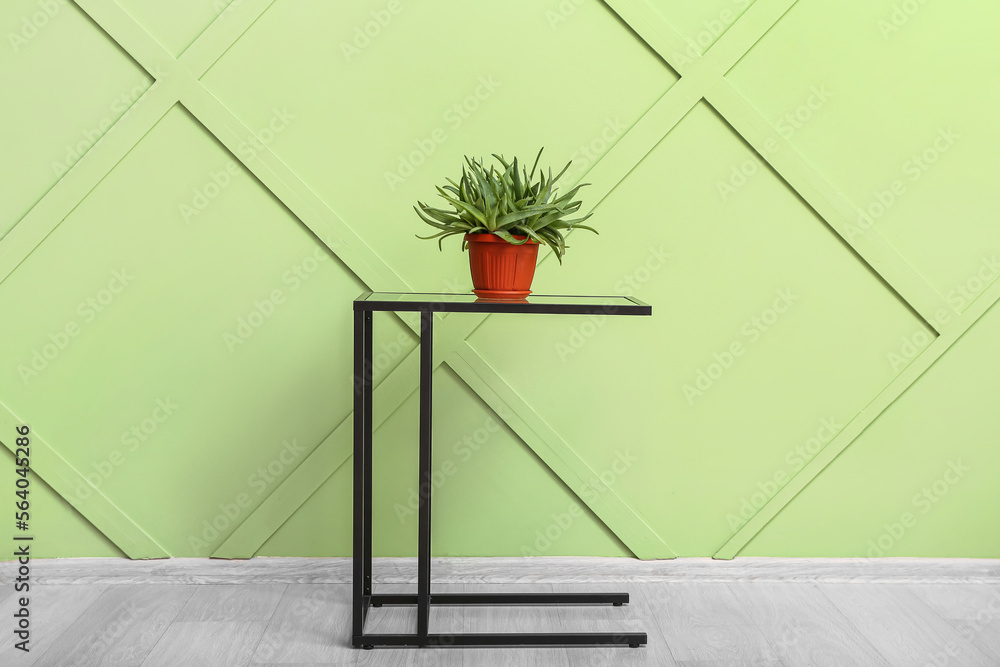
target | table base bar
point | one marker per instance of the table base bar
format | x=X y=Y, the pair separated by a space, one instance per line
x=500 y=599
x=633 y=639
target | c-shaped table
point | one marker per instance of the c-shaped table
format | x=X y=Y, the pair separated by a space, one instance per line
x=364 y=598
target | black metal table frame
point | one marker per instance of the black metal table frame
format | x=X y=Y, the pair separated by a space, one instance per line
x=363 y=596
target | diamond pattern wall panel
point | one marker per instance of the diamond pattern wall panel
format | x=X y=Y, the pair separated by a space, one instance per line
x=176 y=305
x=761 y=301
x=69 y=84
x=881 y=83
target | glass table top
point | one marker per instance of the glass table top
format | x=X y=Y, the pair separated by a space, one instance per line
x=533 y=303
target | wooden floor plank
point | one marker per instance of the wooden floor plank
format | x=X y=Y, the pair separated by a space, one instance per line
x=53 y=610
x=206 y=644
x=705 y=623
x=245 y=602
x=491 y=618
x=961 y=601
x=984 y=635
x=972 y=609
x=120 y=627
x=902 y=627
x=763 y=614
x=403 y=620
x=636 y=616
x=803 y=626
x=312 y=624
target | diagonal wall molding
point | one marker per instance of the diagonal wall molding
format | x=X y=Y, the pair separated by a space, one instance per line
x=96 y=508
x=702 y=78
x=177 y=83
x=913 y=372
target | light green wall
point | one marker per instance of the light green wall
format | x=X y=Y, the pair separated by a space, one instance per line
x=813 y=382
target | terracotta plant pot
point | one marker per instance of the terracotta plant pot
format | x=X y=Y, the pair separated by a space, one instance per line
x=501 y=270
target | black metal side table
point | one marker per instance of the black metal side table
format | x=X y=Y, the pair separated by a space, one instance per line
x=364 y=598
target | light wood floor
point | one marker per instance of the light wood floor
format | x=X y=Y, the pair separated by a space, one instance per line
x=697 y=612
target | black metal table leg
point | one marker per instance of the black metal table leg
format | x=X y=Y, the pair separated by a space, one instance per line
x=361 y=380
x=367 y=451
x=424 y=480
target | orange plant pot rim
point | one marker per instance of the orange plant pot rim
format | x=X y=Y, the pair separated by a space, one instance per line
x=493 y=238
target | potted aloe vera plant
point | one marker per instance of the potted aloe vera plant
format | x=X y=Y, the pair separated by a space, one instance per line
x=503 y=216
